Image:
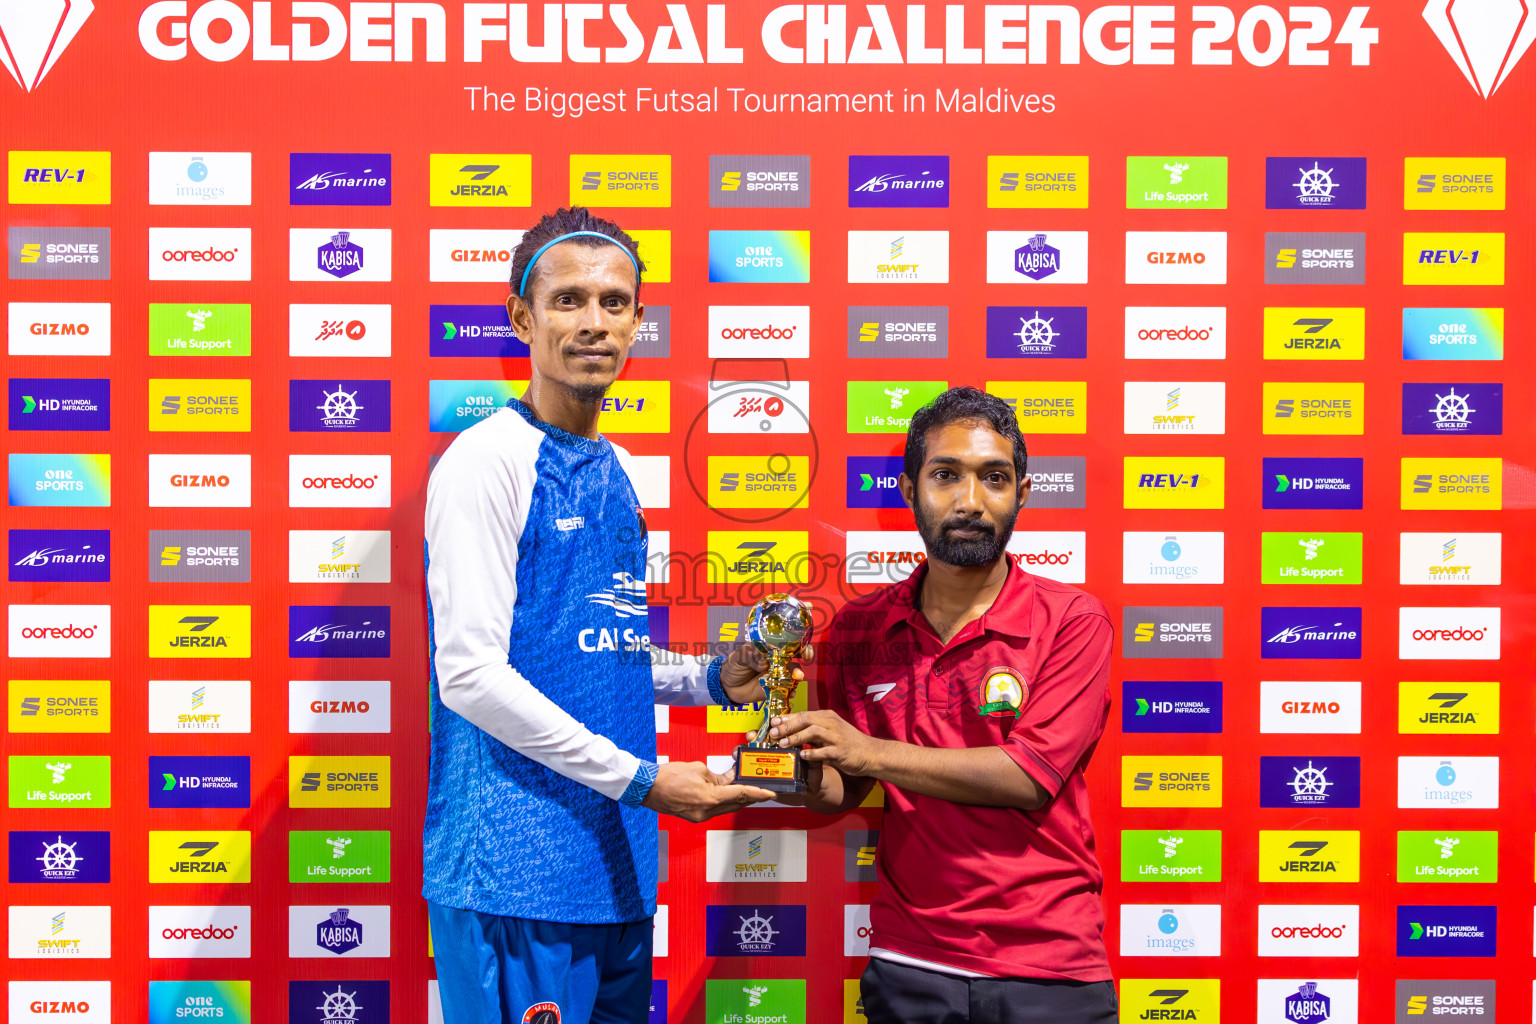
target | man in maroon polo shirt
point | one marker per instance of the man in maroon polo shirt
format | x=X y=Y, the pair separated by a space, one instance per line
x=976 y=692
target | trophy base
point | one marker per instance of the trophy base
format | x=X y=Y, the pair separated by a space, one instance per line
x=778 y=771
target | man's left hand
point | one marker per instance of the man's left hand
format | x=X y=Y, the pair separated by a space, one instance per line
x=827 y=740
x=741 y=675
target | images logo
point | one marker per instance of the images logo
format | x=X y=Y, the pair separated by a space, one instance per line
x=625 y=180
x=1453 y=258
x=1170 y=707
x=480 y=179
x=200 y=179
x=1314 y=257
x=897 y=332
x=1310 y=632
x=328 y=406
x=1170 y=781
x=35 y=36
x=760 y=257
x=1043 y=407
x=1314 y=183
x=199 y=782
x=198 y=857
x=1155 y=481
x=1448 y=782
x=1454 y=183
x=886 y=406
x=1447 y=931
x=1448 y=856
x=1485 y=45
x=60 y=178
x=1037 y=182
x=1170 y=855
x=79 y=706
x=476 y=331
x=199 y=631
x=1308 y=856
x=348 y=781
x=1037 y=332
x=1176 y=183
x=339 y=179
x=1460 y=334
x=1314 y=408
x=1309 y=782
x=777 y=181
x=1173 y=557
x=1175 y=407
x=898 y=181
x=754 y=930
x=1300 y=332
x=1453 y=408
x=1312 y=558
x=60 y=254
x=1452 y=484
x=338 y=631
x=1309 y=707
x=60 y=856
x=1037 y=257
x=60 y=556
x=1175 y=257
x=1151 y=929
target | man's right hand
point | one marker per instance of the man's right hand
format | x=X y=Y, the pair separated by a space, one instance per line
x=692 y=792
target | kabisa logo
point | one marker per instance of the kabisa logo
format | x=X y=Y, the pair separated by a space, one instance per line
x=1308 y=1005
x=199 y=631
x=1037 y=332
x=350 y=255
x=341 y=257
x=1443 y=409
x=1037 y=257
x=199 y=782
x=339 y=179
x=338 y=1002
x=196 y=857
x=474 y=331
x=1302 y=332
x=760 y=257
x=338 y=933
x=1314 y=483
x=1314 y=183
x=60 y=556
x=1322 y=257
x=872 y=481
x=1165 y=632
x=1310 y=632
x=1037 y=260
x=754 y=930
x=1447 y=931
x=1020 y=182
x=61 y=254
x=34 y=35
x=480 y=179
x=333 y=406
x=338 y=631
x=1170 y=707
x=60 y=856
x=1459 y=334
x=898 y=332
x=1309 y=782
x=898 y=181
x=779 y=181
x=1485 y=40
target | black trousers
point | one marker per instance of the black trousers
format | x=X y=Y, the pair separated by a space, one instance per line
x=897 y=994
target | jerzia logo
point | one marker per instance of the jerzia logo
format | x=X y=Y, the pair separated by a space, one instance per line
x=34 y=35
x=1485 y=44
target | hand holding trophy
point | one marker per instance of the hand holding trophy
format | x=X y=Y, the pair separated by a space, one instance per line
x=778 y=626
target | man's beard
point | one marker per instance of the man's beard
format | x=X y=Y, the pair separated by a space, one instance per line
x=962 y=552
x=586 y=394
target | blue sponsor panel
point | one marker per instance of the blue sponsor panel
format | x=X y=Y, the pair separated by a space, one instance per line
x=753 y=929
x=338 y=631
x=658 y=625
x=339 y=179
x=658 y=1013
x=1292 y=633
x=199 y=782
x=59 y=480
x=760 y=257
x=1037 y=332
x=1314 y=183
x=60 y=556
x=338 y=406
x=455 y=405
x=1301 y=781
x=872 y=481
x=898 y=181
x=1447 y=931
x=1453 y=334
x=1170 y=706
x=1453 y=408
x=338 y=1002
x=484 y=330
x=60 y=856
x=1314 y=483
x=60 y=403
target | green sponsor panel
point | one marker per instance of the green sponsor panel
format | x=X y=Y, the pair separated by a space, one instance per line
x=64 y=780
x=1447 y=856
x=338 y=855
x=1311 y=558
x=1170 y=855
x=199 y=329
x=886 y=406
x=744 y=1001
x=1176 y=182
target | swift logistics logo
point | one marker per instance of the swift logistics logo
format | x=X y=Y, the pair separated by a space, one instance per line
x=483 y=330
x=1176 y=183
x=1170 y=707
x=1447 y=855
x=1171 y=482
x=199 y=631
x=1175 y=407
x=1451 y=559
x=1170 y=855
x=339 y=179
x=338 y=406
x=60 y=254
x=760 y=257
x=1037 y=332
x=897 y=332
x=1314 y=257
x=59 y=706
x=338 y=631
x=760 y=181
x=1309 y=782
x=1453 y=409
x=1314 y=483
x=1186 y=780
x=199 y=329
x=55 y=932
x=1452 y=484
x=1454 y=183
x=1313 y=408
x=758 y=855
x=1156 y=929
x=199 y=782
x=346 y=781
x=34 y=35
x=480 y=179
x=1037 y=182
x=60 y=856
x=205 y=706
x=1311 y=332
x=338 y=556
x=1485 y=41
x=620 y=180
x=1312 y=558
x=198 y=857
x=1310 y=632
x=1453 y=258
x=1447 y=931
x=1043 y=406
x=60 y=178
x=59 y=556
x=911 y=257
x=1309 y=856
x=1037 y=257
x=200 y=556
x=905 y=182
x=1453 y=334
x=1314 y=183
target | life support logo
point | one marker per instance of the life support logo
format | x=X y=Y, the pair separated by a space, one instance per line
x=1003 y=693
x=542 y=1013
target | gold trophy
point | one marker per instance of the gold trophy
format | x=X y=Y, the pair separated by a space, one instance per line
x=778 y=625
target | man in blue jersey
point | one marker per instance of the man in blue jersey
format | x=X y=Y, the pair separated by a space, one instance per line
x=540 y=849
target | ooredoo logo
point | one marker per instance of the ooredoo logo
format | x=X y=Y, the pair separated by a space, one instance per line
x=1460 y=634
x=1309 y=930
x=33 y=36
x=338 y=481
x=759 y=332
x=198 y=932
x=60 y=631
x=1175 y=332
x=199 y=254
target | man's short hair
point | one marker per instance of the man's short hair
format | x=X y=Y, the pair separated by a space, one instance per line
x=963 y=405
x=562 y=222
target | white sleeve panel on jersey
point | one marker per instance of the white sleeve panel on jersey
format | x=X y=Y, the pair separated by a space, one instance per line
x=682 y=683
x=477 y=500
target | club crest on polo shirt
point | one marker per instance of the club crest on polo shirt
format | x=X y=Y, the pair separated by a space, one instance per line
x=542 y=1013
x=1003 y=692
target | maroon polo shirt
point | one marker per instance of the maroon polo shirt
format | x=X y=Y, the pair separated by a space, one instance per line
x=995 y=890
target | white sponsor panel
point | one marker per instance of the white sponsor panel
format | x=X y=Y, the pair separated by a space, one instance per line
x=905 y=257
x=1175 y=332
x=338 y=556
x=338 y=705
x=1451 y=559
x=1162 y=929
x=199 y=932
x=482 y=255
x=199 y=254
x=663 y=721
x=1040 y=251
x=199 y=705
x=759 y=332
x=884 y=556
x=60 y=933
x=60 y=631
x=658 y=558
x=1448 y=783
x=856 y=929
x=1305 y=999
x=1175 y=407
x=339 y=329
x=200 y=179
x=721 y=764
x=1306 y=706
x=338 y=481
x=754 y=407
x=1309 y=929
x=1175 y=257
x=59 y=328
x=659 y=930
x=651 y=477
x=343 y=254
x=1166 y=556
x=1058 y=555
x=1449 y=634
x=759 y=855
x=199 y=481
x=60 y=1002
x=331 y=931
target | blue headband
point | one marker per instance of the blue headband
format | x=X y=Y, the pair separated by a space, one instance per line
x=522 y=287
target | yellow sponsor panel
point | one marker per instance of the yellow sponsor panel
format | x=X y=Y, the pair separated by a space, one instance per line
x=198 y=404
x=1174 y=780
x=1190 y=999
x=656 y=255
x=743 y=718
x=1306 y=332
x=1454 y=183
x=1453 y=257
x=480 y=179
x=200 y=857
x=853 y=1003
x=1304 y=855
x=199 y=631
x=637 y=407
x=63 y=177
x=621 y=180
x=59 y=705
x=1162 y=481
x=759 y=556
x=343 y=781
x=1452 y=484
x=758 y=481
x=1037 y=182
x=1448 y=707
x=1310 y=407
x=1045 y=406
x=876 y=797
